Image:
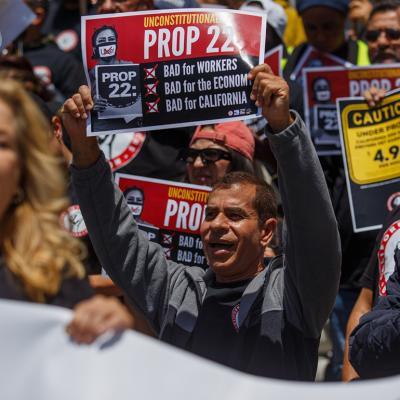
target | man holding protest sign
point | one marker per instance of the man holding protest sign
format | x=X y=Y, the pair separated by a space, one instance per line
x=262 y=320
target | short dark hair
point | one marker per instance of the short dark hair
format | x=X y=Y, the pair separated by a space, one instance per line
x=384 y=6
x=101 y=29
x=131 y=189
x=264 y=201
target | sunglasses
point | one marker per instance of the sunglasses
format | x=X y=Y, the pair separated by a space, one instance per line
x=373 y=34
x=207 y=156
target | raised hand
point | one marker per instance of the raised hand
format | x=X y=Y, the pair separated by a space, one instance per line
x=374 y=96
x=75 y=111
x=96 y=316
x=271 y=93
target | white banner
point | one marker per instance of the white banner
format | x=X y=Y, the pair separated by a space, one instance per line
x=38 y=361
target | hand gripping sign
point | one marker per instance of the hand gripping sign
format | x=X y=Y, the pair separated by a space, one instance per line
x=191 y=67
x=371 y=150
x=324 y=85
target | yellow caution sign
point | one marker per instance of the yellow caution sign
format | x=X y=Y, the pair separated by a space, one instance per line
x=372 y=140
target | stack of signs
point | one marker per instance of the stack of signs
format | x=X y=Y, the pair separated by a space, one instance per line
x=324 y=85
x=170 y=213
x=184 y=67
x=371 y=148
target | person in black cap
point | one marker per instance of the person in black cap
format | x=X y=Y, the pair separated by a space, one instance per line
x=324 y=24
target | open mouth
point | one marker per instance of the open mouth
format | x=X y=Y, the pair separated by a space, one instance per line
x=221 y=246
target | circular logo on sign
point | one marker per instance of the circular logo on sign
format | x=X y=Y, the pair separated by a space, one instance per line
x=386 y=253
x=393 y=201
x=72 y=221
x=122 y=148
x=67 y=40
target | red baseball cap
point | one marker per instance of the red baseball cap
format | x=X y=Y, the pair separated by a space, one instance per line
x=233 y=135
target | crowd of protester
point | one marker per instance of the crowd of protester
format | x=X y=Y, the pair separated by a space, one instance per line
x=283 y=257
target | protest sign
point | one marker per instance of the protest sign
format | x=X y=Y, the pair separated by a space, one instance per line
x=170 y=213
x=274 y=59
x=324 y=85
x=15 y=17
x=313 y=58
x=370 y=140
x=183 y=67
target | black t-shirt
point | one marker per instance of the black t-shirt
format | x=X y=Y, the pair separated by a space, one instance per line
x=216 y=335
x=55 y=67
x=381 y=263
x=71 y=292
x=72 y=221
x=65 y=26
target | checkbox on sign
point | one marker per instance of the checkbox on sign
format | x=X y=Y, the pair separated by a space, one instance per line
x=152 y=106
x=150 y=73
x=167 y=238
x=151 y=89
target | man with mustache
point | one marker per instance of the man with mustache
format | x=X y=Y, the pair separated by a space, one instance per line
x=383 y=33
x=261 y=319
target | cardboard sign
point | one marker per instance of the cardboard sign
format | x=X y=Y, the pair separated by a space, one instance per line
x=15 y=17
x=370 y=140
x=170 y=213
x=324 y=85
x=191 y=67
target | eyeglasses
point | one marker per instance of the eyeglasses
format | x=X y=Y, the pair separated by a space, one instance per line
x=372 y=35
x=207 y=156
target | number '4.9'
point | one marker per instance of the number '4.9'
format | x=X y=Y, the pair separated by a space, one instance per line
x=393 y=151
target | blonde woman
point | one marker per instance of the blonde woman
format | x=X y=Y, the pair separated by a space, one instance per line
x=39 y=261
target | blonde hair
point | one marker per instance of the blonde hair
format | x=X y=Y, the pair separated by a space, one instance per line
x=38 y=252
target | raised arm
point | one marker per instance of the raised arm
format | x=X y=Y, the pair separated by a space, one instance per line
x=362 y=306
x=133 y=263
x=374 y=346
x=311 y=238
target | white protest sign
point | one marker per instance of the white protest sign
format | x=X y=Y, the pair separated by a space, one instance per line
x=39 y=361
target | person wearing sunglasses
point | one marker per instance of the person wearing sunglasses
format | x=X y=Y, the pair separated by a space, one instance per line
x=218 y=149
x=383 y=33
x=383 y=38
